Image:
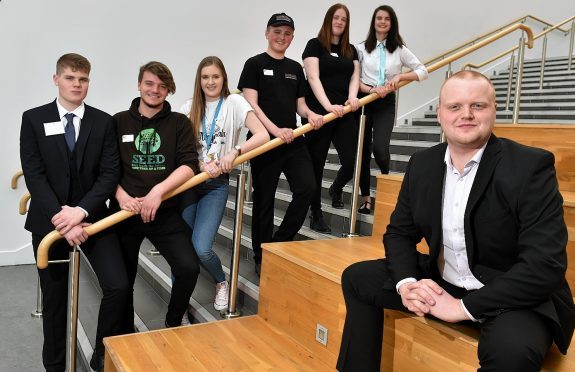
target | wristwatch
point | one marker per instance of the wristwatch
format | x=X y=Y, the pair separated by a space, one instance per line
x=239 y=149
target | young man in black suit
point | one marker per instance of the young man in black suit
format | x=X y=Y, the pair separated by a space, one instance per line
x=492 y=216
x=71 y=166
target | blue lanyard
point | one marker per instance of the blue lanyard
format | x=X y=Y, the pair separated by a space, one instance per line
x=210 y=137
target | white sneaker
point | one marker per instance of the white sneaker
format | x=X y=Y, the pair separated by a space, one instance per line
x=185 y=319
x=221 y=301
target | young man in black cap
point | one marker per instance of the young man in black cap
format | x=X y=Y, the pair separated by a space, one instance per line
x=275 y=87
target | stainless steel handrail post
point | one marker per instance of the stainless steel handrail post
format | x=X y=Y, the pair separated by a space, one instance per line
x=38 y=312
x=72 y=316
x=449 y=72
x=356 y=176
x=571 y=40
x=521 y=58
x=248 y=197
x=543 y=56
x=232 y=311
x=510 y=81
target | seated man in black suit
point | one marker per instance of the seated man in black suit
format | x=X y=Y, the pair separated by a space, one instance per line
x=71 y=165
x=491 y=213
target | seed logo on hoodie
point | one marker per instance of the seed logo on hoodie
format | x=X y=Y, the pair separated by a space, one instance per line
x=147 y=143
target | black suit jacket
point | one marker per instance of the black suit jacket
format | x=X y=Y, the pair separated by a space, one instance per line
x=45 y=163
x=515 y=234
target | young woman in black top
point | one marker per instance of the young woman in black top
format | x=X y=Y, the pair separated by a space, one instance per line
x=332 y=68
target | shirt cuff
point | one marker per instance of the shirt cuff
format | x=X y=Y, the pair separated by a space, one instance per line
x=469 y=314
x=83 y=210
x=403 y=281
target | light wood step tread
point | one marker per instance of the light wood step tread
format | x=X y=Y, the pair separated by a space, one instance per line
x=318 y=256
x=243 y=344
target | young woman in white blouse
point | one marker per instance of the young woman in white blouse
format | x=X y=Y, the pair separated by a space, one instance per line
x=217 y=118
x=382 y=56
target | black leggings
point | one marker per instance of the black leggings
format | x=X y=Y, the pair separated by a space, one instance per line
x=380 y=117
x=343 y=133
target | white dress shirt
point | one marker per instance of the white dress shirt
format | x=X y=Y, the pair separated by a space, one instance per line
x=78 y=115
x=394 y=62
x=452 y=261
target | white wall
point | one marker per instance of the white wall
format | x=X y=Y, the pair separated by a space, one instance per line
x=119 y=36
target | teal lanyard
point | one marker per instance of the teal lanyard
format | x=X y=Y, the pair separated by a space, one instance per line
x=210 y=137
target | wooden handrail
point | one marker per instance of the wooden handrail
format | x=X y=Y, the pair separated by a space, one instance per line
x=513 y=49
x=15 y=177
x=46 y=243
x=444 y=55
x=22 y=206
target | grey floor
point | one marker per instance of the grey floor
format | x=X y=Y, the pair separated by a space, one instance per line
x=21 y=335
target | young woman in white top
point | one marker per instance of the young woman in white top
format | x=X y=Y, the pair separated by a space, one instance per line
x=217 y=118
x=382 y=56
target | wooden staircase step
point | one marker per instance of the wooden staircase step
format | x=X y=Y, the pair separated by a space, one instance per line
x=243 y=344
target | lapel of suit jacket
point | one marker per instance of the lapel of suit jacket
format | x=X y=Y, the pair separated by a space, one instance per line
x=436 y=183
x=85 y=129
x=487 y=165
x=59 y=139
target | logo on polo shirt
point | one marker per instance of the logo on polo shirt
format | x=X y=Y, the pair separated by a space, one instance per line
x=291 y=76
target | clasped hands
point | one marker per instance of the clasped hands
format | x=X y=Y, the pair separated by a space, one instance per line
x=427 y=297
x=69 y=224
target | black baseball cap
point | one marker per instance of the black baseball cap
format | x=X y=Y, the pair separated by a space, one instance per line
x=281 y=19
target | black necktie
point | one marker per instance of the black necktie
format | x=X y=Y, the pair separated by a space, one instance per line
x=70 y=132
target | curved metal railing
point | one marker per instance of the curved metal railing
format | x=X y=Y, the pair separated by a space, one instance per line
x=470 y=43
x=513 y=49
x=46 y=243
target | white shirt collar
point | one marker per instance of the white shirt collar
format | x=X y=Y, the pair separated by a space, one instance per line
x=475 y=159
x=79 y=111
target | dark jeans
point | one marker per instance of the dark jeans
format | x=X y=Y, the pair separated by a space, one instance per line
x=171 y=236
x=343 y=133
x=515 y=340
x=295 y=162
x=379 y=121
x=104 y=254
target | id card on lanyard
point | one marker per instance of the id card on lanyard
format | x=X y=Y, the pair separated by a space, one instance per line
x=210 y=137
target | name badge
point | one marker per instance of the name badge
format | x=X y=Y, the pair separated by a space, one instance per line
x=51 y=129
x=334 y=54
x=268 y=72
x=128 y=138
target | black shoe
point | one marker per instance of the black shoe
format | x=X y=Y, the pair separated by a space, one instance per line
x=97 y=363
x=336 y=201
x=365 y=208
x=317 y=223
x=258 y=269
x=170 y=326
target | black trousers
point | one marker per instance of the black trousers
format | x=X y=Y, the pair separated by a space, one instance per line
x=343 y=133
x=380 y=117
x=515 y=340
x=104 y=254
x=171 y=236
x=295 y=162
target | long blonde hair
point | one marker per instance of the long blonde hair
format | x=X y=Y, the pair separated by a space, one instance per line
x=199 y=100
